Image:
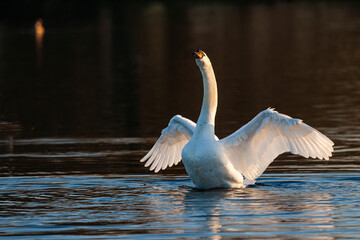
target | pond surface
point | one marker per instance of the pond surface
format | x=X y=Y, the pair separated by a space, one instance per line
x=81 y=103
x=284 y=206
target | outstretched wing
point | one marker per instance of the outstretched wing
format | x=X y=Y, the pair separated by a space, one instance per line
x=167 y=150
x=255 y=145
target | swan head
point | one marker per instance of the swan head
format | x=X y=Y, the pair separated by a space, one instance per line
x=201 y=59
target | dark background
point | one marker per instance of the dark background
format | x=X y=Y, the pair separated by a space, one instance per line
x=124 y=68
x=81 y=104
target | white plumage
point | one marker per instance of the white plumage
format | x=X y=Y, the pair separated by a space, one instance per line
x=214 y=163
x=167 y=150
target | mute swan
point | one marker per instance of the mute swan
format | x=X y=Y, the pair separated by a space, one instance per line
x=214 y=163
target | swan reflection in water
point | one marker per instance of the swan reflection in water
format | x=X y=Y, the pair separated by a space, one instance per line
x=251 y=209
x=220 y=211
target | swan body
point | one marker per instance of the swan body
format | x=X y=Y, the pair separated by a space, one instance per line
x=237 y=160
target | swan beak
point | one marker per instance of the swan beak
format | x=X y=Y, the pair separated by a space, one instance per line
x=198 y=54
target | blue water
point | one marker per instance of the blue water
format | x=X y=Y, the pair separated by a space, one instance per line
x=280 y=206
x=82 y=103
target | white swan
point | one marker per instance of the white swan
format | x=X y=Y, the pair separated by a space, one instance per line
x=214 y=163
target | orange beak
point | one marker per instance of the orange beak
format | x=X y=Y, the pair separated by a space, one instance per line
x=198 y=54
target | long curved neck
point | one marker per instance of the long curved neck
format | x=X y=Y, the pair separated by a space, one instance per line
x=209 y=105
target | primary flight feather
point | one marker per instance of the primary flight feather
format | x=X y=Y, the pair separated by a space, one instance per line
x=214 y=163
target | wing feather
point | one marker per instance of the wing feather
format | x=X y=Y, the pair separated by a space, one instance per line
x=171 y=160
x=157 y=163
x=166 y=152
x=178 y=155
x=255 y=145
x=150 y=152
x=157 y=158
x=153 y=156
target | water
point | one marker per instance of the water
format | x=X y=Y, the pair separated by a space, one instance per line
x=82 y=103
x=166 y=207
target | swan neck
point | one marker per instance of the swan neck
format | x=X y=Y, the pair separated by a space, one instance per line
x=209 y=105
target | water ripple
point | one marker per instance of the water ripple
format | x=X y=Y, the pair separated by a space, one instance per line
x=157 y=206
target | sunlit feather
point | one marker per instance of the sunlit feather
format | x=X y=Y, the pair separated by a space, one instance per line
x=213 y=163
